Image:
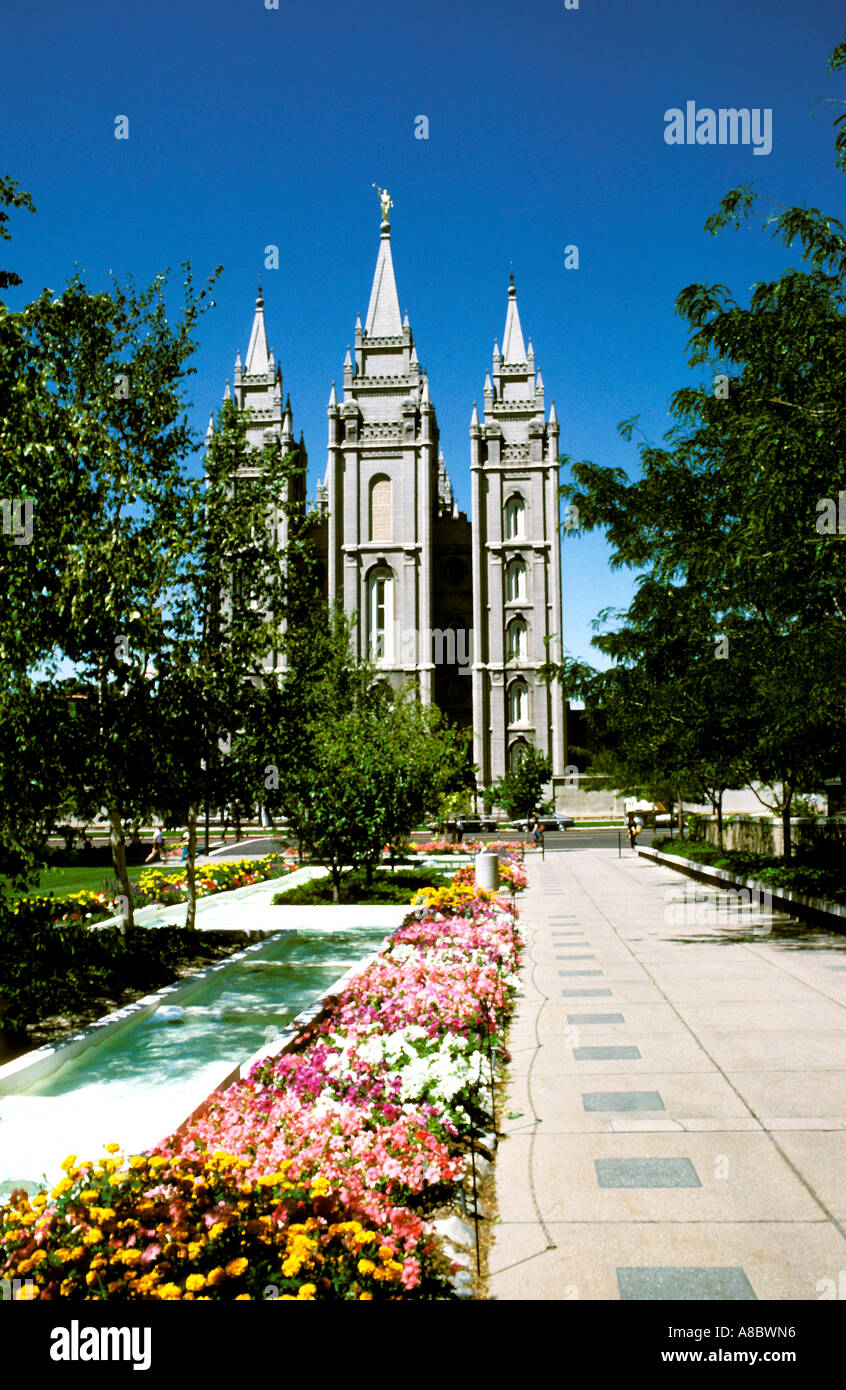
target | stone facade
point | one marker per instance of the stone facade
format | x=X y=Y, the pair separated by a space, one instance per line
x=468 y=612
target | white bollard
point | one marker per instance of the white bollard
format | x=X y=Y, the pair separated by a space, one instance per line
x=487 y=870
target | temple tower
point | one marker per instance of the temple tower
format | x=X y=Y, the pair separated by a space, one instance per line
x=516 y=561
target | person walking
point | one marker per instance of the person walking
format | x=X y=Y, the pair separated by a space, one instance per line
x=535 y=832
x=157 y=852
x=459 y=829
x=186 y=840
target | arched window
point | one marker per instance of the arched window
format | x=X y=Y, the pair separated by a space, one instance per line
x=380 y=614
x=516 y=753
x=515 y=582
x=518 y=703
x=517 y=640
x=380 y=509
x=515 y=518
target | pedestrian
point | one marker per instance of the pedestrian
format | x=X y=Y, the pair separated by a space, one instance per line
x=459 y=829
x=186 y=840
x=157 y=852
x=634 y=830
x=535 y=831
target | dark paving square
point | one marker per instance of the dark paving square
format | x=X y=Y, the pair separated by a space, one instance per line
x=607 y=1054
x=595 y=1018
x=586 y=956
x=585 y=993
x=621 y=1100
x=646 y=1172
x=728 y=1284
x=581 y=972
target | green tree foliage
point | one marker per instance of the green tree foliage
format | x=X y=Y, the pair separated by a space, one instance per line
x=93 y=432
x=736 y=507
x=519 y=792
x=352 y=764
x=11 y=196
x=227 y=624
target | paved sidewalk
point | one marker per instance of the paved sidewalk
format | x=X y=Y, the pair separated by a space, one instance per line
x=677 y=1094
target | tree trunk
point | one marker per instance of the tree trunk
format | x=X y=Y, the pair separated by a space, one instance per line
x=336 y=883
x=681 y=818
x=118 y=848
x=190 y=873
x=787 y=793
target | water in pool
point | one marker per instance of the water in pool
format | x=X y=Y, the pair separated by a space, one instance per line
x=136 y=1087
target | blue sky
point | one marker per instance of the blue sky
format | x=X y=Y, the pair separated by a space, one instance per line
x=251 y=127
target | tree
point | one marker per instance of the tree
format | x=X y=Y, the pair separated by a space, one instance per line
x=11 y=195
x=93 y=431
x=355 y=764
x=737 y=505
x=227 y=624
x=519 y=791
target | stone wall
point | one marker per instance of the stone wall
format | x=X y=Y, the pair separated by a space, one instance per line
x=763 y=834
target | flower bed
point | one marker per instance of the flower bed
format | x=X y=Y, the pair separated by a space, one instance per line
x=165 y=887
x=198 y=1229
x=336 y=1153
x=514 y=847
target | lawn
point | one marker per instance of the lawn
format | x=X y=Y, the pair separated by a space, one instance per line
x=74 y=878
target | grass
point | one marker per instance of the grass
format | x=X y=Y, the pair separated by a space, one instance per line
x=73 y=879
x=398 y=887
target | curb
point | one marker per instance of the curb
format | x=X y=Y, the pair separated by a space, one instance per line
x=800 y=904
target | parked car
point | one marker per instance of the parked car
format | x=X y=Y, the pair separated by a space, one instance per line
x=546 y=823
x=473 y=825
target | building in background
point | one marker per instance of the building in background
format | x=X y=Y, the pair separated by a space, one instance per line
x=469 y=610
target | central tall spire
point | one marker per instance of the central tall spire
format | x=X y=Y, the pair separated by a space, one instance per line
x=258 y=353
x=383 y=314
x=513 y=347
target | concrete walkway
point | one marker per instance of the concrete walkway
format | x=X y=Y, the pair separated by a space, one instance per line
x=676 y=1112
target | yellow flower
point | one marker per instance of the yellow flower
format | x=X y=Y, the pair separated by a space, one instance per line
x=68 y=1163
x=63 y=1255
x=138 y=1161
x=216 y=1276
x=366 y=1266
x=364 y=1238
x=91 y=1277
x=195 y=1282
x=217 y=1230
x=241 y=1296
x=306 y=1291
x=29 y=1291
x=92 y=1237
x=365 y=1298
x=170 y=1291
x=129 y=1257
x=112 y=1148
x=386 y=1252
x=236 y=1268
x=61 y=1188
x=89 y=1195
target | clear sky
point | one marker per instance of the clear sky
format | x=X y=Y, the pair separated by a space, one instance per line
x=251 y=126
